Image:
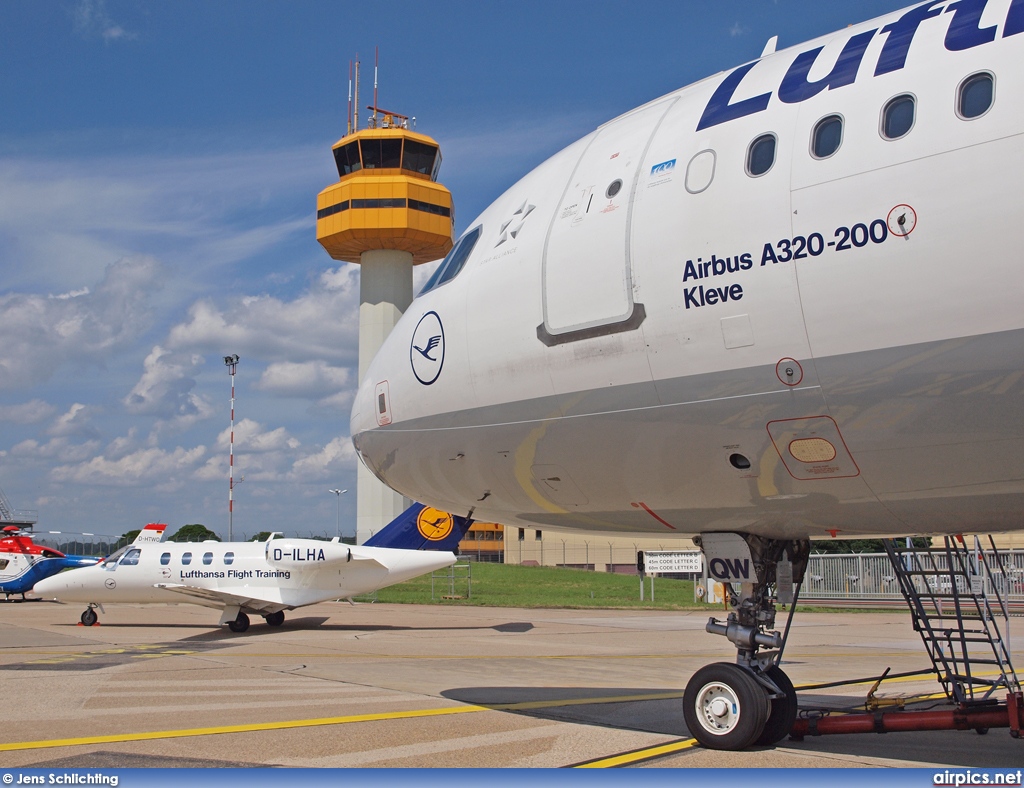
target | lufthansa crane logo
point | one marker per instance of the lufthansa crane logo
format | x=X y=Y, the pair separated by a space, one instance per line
x=434 y=524
x=426 y=350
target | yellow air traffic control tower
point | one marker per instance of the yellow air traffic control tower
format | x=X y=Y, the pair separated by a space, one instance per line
x=387 y=213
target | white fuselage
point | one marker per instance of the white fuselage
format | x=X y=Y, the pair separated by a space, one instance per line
x=685 y=352
x=281 y=574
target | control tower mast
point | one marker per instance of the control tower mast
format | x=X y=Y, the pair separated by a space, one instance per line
x=387 y=213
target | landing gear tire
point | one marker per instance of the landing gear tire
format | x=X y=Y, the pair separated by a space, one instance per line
x=240 y=624
x=783 y=710
x=89 y=617
x=724 y=707
x=275 y=619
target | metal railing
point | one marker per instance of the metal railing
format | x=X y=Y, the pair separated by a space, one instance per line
x=870 y=577
x=448 y=581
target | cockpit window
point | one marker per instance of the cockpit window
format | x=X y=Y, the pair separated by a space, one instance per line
x=454 y=262
x=113 y=558
x=347 y=159
x=131 y=558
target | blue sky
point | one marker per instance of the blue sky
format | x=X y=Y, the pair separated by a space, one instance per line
x=159 y=164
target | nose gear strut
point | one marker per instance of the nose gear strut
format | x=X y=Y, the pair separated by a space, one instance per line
x=730 y=706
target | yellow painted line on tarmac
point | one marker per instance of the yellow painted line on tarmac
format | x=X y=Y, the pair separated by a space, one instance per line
x=313 y=723
x=635 y=756
x=258 y=726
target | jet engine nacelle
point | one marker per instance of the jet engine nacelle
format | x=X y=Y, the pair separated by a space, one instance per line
x=305 y=553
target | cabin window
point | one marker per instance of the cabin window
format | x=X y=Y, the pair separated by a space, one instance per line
x=229 y=558
x=3 y=563
x=975 y=96
x=898 y=117
x=418 y=157
x=207 y=558
x=347 y=159
x=381 y=154
x=761 y=155
x=165 y=559
x=455 y=261
x=186 y=559
x=827 y=137
x=131 y=558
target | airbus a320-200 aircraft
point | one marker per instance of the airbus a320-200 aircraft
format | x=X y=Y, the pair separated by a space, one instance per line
x=781 y=303
x=261 y=578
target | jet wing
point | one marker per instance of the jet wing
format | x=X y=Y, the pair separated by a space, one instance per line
x=209 y=597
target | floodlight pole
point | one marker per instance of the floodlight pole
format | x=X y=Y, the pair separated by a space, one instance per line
x=231 y=362
x=339 y=493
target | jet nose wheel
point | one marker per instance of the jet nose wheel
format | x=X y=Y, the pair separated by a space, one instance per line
x=275 y=619
x=240 y=624
x=783 y=710
x=724 y=707
x=89 y=617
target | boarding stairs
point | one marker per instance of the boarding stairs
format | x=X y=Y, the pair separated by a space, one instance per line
x=957 y=598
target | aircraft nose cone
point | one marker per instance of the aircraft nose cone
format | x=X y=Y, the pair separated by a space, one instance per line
x=49 y=586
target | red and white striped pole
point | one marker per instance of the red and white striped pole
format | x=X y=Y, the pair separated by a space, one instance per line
x=231 y=362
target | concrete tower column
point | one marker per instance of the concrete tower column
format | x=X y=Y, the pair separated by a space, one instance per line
x=385 y=292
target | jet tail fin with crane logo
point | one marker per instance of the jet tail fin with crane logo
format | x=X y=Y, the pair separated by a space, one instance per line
x=422 y=528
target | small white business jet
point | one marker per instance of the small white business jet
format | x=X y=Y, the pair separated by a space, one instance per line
x=784 y=302
x=261 y=578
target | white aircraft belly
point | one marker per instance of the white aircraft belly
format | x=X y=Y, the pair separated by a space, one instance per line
x=613 y=464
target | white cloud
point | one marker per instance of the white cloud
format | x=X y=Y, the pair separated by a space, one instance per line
x=337 y=455
x=165 y=389
x=309 y=379
x=199 y=212
x=91 y=20
x=74 y=423
x=56 y=448
x=168 y=468
x=251 y=436
x=320 y=325
x=31 y=412
x=42 y=333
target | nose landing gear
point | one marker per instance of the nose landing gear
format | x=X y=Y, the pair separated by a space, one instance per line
x=89 y=617
x=731 y=706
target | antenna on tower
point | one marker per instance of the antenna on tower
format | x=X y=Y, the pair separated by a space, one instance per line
x=348 y=119
x=376 y=61
x=355 y=114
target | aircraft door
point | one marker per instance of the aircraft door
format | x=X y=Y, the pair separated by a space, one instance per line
x=587 y=273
